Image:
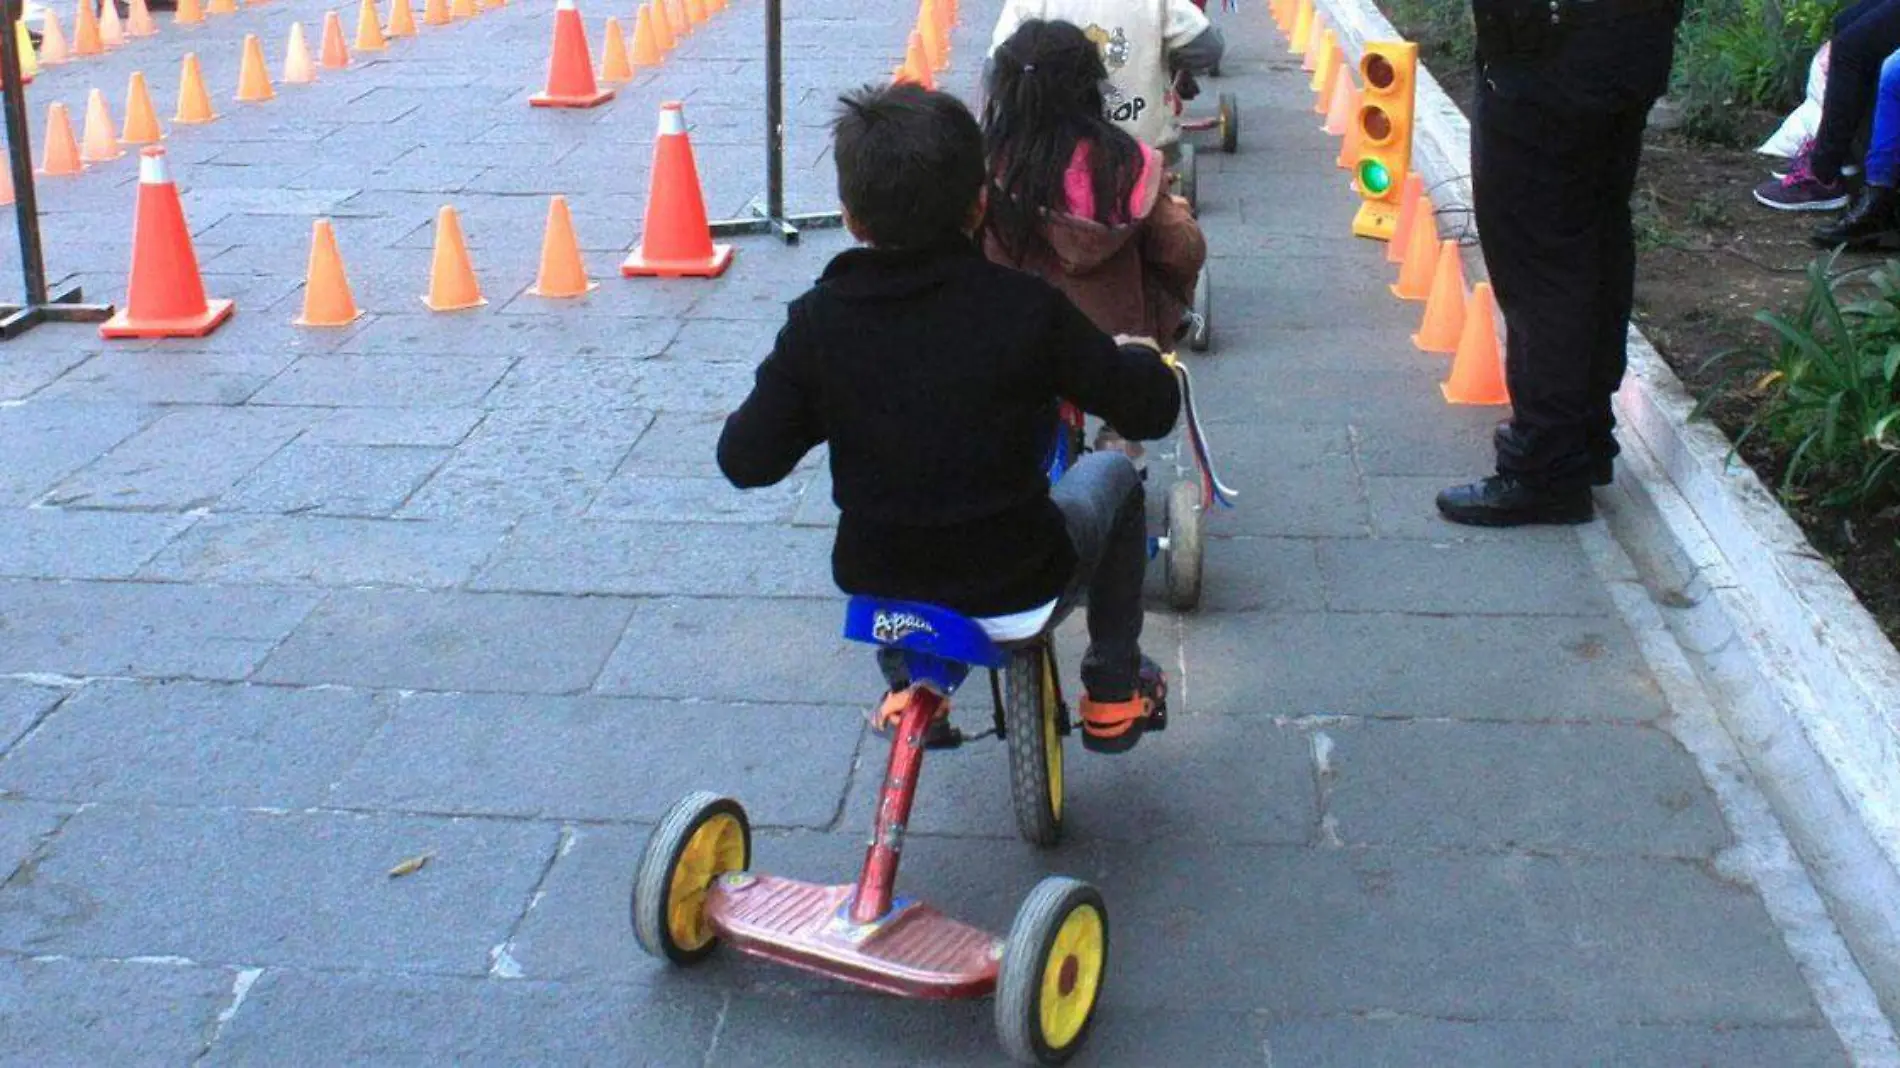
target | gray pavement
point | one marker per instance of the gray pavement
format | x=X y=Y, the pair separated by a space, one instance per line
x=280 y=608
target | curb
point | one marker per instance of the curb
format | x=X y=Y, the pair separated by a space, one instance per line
x=1811 y=685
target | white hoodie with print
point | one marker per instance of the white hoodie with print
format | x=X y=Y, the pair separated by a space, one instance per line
x=1135 y=37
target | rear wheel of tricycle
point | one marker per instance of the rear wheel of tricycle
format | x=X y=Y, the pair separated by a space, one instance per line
x=1188 y=177
x=1229 y=123
x=702 y=837
x=1201 y=322
x=1051 y=979
x=1032 y=719
x=1183 y=558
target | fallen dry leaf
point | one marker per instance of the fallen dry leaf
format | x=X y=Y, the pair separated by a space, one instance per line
x=411 y=866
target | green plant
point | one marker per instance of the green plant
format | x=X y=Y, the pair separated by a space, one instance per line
x=1733 y=56
x=1831 y=394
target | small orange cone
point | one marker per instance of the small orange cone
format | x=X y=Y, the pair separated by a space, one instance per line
x=402 y=19
x=695 y=13
x=1331 y=58
x=1421 y=262
x=436 y=13
x=452 y=283
x=646 y=45
x=463 y=10
x=663 y=31
x=1445 y=308
x=6 y=186
x=138 y=22
x=1315 y=43
x=916 y=68
x=676 y=18
x=677 y=242
x=935 y=53
x=1411 y=200
x=571 y=81
x=53 y=47
x=614 y=64
x=1342 y=112
x=298 y=67
x=194 y=103
x=1302 y=34
x=327 y=300
x=141 y=120
x=336 y=54
x=86 y=40
x=369 y=29
x=189 y=13
x=111 y=28
x=563 y=272
x=222 y=7
x=1477 y=372
x=253 y=79
x=62 y=148
x=1353 y=144
x=100 y=143
x=165 y=296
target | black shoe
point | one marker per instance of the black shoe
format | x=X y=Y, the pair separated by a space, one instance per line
x=1507 y=501
x=1602 y=471
x=1872 y=221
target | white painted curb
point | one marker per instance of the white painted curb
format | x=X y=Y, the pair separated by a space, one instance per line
x=1811 y=685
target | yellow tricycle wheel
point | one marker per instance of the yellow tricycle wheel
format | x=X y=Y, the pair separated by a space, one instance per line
x=701 y=838
x=1053 y=964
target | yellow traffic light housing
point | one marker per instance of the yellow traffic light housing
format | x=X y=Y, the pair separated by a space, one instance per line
x=1389 y=70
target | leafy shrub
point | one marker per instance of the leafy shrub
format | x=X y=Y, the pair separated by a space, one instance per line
x=1735 y=56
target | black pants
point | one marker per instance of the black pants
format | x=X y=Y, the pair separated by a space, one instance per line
x=1864 y=36
x=1553 y=184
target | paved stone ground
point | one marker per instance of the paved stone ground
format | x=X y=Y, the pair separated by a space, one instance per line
x=280 y=608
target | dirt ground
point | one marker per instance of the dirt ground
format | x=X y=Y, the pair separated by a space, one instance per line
x=1709 y=257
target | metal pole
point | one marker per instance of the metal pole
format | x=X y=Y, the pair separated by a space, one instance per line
x=774 y=112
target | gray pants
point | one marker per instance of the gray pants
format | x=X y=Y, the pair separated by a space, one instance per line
x=1105 y=508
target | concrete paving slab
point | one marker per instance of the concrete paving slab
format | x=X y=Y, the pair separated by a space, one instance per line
x=187 y=459
x=55 y=543
x=733 y=649
x=1525 y=577
x=22 y=704
x=70 y=1013
x=138 y=629
x=662 y=559
x=1508 y=1044
x=23 y=825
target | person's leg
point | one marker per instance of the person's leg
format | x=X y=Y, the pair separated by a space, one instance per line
x=1864 y=37
x=1102 y=501
x=1883 y=149
x=1623 y=150
x=1874 y=217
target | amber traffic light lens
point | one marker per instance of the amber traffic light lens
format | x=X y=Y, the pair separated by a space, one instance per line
x=1375 y=124
x=1379 y=72
x=1374 y=178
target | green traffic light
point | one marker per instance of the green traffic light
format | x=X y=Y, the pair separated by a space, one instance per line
x=1374 y=178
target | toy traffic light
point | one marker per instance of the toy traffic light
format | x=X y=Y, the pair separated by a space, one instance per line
x=1390 y=73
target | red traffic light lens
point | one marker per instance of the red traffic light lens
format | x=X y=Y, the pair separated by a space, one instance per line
x=1375 y=124
x=1379 y=72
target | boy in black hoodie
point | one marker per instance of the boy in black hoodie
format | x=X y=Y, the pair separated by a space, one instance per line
x=935 y=377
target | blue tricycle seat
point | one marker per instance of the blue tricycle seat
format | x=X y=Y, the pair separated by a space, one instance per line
x=939 y=646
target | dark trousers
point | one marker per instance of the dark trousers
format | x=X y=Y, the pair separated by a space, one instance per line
x=1552 y=184
x=1864 y=36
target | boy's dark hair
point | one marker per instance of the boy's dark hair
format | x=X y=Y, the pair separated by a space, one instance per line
x=910 y=164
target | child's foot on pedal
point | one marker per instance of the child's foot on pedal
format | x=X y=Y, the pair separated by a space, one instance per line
x=1115 y=726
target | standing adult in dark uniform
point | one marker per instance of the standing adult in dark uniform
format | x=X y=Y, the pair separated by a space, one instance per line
x=1564 y=92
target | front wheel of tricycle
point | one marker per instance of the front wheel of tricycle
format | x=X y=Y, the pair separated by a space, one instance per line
x=1051 y=979
x=1229 y=123
x=1183 y=558
x=1201 y=317
x=1032 y=720
x=1188 y=175
x=702 y=837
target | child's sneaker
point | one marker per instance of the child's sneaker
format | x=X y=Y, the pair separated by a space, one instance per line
x=1115 y=727
x=1803 y=190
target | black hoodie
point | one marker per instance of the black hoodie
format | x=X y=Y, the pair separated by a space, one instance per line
x=935 y=375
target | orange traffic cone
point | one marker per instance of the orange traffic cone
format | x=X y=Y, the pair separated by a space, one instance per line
x=253 y=79
x=62 y=148
x=141 y=120
x=222 y=7
x=138 y=21
x=1331 y=57
x=563 y=272
x=402 y=19
x=1302 y=28
x=369 y=29
x=571 y=66
x=6 y=186
x=916 y=68
x=327 y=300
x=1477 y=372
x=336 y=54
x=646 y=44
x=695 y=13
x=1342 y=111
x=111 y=28
x=86 y=40
x=1278 y=9
x=100 y=143
x=436 y=13
x=1421 y=262
x=1353 y=144
x=677 y=242
x=298 y=68
x=1411 y=200
x=53 y=47
x=452 y=283
x=29 y=60
x=165 y=296
x=663 y=32
x=194 y=103
x=935 y=40
x=676 y=18
x=614 y=64
x=189 y=13
x=1445 y=308
x=1315 y=44
x=463 y=10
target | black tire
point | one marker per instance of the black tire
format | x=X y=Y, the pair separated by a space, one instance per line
x=1035 y=744
x=1026 y=954
x=1229 y=123
x=1190 y=176
x=1183 y=558
x=653 y=880
x=1201 y=323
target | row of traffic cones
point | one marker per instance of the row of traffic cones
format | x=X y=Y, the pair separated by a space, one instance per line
x=927 y=53
x=659 y=26
x=97 y=29
x=1458 y=321
x=166 y=294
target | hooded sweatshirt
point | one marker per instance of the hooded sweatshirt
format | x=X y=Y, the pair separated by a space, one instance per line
x=1132 y=275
